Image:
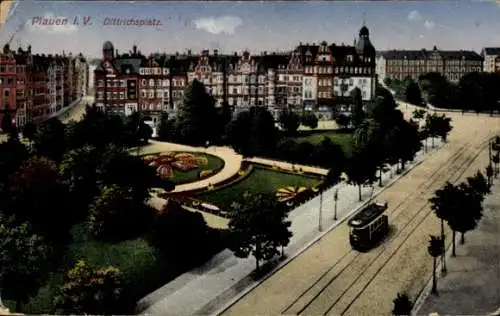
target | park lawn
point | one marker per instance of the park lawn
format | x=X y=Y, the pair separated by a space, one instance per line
x=134 y=258
x=343 y=138
x=260 y=180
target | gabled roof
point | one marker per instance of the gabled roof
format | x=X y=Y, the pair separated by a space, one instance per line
x=424 y=54
x=491 y=51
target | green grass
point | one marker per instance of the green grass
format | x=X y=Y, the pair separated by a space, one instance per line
x=179 y=177
x=260 y=180
x=343 y=138
x=134 y=258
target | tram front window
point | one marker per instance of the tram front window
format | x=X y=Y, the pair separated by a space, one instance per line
x=358 y=234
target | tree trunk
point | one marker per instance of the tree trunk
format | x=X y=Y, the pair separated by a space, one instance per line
x=434 y=283
x=359 y=193
x=454 y=253
x=425 y=145
x=380 y=177
x=443 y=257
x=462 y=238
x=432 y=142
x=257 y=256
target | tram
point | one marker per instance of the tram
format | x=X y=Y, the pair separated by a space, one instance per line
x=368 y=226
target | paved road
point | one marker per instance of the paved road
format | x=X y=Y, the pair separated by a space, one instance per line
x=330 y=278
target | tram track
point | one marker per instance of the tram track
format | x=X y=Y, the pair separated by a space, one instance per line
x=349 y=261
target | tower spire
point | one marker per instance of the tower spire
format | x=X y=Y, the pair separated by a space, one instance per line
x=364 y=18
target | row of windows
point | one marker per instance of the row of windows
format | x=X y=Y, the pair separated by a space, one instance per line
x=154 y=71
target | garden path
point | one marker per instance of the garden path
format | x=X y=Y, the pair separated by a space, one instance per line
x=288 y=166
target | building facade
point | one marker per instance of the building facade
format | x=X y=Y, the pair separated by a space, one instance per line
x=310 y=77
x=400 y=64
x=490 y=56
x=34 y=86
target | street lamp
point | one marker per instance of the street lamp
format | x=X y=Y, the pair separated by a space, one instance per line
x=320 y=217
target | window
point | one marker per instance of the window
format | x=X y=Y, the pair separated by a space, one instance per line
x=122 y=95
x=10 y=81
x=143 y=82
x=151 y=94
x=6 y=93
x=143 y=93
x=151 y=82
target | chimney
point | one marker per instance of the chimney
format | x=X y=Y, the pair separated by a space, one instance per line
x=216 y=52
x=116 y=53
x=235 y=54
x=189 y=52
x=134 y=50
x=265 y=53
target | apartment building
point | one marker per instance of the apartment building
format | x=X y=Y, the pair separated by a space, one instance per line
x=34 y=86
x=491 y=57
x=311 y=76
x=399 y=64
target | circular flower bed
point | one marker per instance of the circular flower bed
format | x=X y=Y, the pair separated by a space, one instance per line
x=165 y=163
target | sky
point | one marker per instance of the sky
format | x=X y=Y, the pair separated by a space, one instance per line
x=255 y=26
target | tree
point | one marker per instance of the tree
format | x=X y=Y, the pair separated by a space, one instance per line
x=358 y=114
x=412 y=93
x=443 y=126
x=304 y=153
x=407 y=142
x=287 y=149
x=36 y=194
x=79 y=170
x=489 y=174
x=12 y=155
x=444 y=203
x=196 y=114
x=29 y=131
x=258 y=228
x=343 y=120
x=88 y=290
x=310 y=120
x=144 y=132
x=402 y=305
x=51 y=141
x=438 y=89
x=328 y=154
x=115 y=215
x=253 y=132
x=289 y=121
x=479 y=184
x=164 y=129
x=361 y=169
x=418 y=114
x=25 y=259
x=180 y=237
x=435 y=249
x=7 y=125
x=496 y=162
x=467 y=216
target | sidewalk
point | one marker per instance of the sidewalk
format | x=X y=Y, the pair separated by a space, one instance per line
x=472 y=283
x=207 y=289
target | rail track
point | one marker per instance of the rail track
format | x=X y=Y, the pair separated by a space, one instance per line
x=337 y=284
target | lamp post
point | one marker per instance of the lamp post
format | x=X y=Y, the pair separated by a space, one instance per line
x=335 y=198
x=320 y=217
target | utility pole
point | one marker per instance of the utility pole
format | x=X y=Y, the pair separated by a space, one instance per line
x=335 y=198
x=320 y=217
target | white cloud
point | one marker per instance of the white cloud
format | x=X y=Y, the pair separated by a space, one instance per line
x=51 y=23
x=224 y=24
x=429 y=24
x=414 y=16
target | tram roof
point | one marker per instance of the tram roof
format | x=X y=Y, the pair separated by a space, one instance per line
x=366 y=215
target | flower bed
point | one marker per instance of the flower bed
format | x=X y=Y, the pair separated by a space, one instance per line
x=184 y=167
